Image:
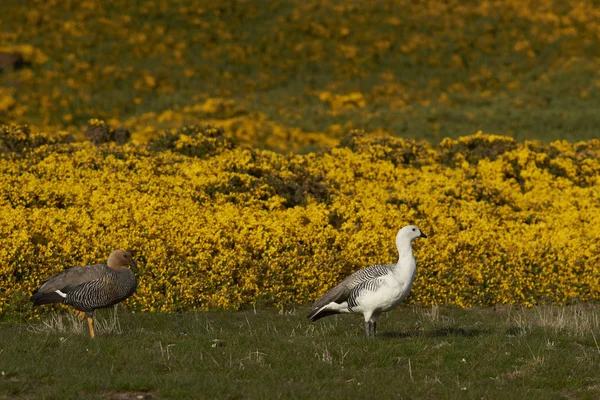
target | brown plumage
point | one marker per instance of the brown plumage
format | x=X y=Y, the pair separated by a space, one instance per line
x=91 y=287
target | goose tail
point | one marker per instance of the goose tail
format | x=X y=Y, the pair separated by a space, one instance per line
x=322 y=312
x=38 y=298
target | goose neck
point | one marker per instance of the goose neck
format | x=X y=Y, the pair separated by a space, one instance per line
x=404 y=250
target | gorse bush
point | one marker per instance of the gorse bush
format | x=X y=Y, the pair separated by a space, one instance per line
x=218 y=142
x=216 y=224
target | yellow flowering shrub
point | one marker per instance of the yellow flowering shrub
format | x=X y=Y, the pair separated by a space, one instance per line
x=216 y=224
x=279 y=202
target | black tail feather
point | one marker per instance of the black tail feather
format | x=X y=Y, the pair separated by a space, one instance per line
x=319 y=313
x=39 y=298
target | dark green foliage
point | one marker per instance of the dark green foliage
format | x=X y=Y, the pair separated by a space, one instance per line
x=193 y=141
x=398 y=151
x=292 y=182
x=476 y=148
x=268 y=174
x=12 y=61
x=100 y=132
x=19 y=138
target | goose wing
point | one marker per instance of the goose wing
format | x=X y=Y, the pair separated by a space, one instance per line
x=342 y=292
x=72 y=277
x=104 y=292
x=372 y=285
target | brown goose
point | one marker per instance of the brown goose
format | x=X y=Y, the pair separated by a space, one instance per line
x=91 y=287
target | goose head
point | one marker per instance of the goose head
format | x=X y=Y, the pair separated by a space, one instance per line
x=119 y=259
x=407 y=234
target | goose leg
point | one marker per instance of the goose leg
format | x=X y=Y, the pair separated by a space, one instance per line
x=370 y=329
x=90 y=320
x=374 y=328
x=79 y=314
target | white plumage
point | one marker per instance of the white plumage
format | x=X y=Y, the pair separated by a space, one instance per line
x=375 y=289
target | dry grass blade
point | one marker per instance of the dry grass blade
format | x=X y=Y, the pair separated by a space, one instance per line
x=68 y=323
x=577 y=320
x=431 y=314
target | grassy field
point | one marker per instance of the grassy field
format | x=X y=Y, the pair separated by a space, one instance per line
x=481 y=353
x=413 y=69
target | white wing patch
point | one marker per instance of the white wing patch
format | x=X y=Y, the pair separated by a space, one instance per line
x=63 y=295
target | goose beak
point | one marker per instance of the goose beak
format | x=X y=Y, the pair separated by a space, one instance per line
x=133 y=264
x=423 y=235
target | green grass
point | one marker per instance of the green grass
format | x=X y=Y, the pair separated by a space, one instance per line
x=270 y=59
x=544 y=352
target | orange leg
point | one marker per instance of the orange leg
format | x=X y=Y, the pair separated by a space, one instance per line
x=79 y=314
x=90 y=321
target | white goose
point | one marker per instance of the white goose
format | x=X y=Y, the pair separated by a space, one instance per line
x=375 y=289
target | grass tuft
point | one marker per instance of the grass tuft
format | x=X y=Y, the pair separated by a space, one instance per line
x=577 y=320
x=68 y=323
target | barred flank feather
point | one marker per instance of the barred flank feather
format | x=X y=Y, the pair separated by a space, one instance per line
x=368 y=285
x=341 y=292
x=109 y=290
